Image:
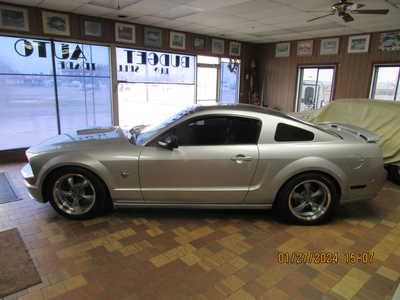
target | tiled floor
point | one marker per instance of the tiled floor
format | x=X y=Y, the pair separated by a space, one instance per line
x=202 y=254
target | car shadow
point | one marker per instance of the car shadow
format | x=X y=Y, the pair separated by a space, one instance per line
x=363 y=210
x=195 y=214
x=360 y=210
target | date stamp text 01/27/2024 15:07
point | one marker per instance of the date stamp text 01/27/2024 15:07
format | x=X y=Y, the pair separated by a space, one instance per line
x=309 y=257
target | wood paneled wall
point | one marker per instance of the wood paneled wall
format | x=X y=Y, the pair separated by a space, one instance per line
x=278 y=75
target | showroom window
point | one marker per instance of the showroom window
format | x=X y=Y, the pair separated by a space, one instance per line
x=51 y=87
x=314 y=87
x=153 y=85
x=386 y=82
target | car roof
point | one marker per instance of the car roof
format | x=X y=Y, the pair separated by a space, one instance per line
x=239 y=108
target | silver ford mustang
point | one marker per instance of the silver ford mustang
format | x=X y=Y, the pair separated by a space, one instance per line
x=228 y=156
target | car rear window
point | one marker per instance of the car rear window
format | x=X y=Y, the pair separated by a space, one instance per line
x=289 y=133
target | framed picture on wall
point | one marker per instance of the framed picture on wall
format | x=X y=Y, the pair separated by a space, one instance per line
x=305 y=48
x=55 y=23
x=217 y=46
x=389 y=41
x=14 y=18
x=282 y=49
x=199 y=44
x=358 y=43
x=234 y=48
x=125 y=33
x=92 y=28
x=152 y=37
x=177 y=40
x=329 y=46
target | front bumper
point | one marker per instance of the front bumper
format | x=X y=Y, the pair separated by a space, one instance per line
x=29 y=179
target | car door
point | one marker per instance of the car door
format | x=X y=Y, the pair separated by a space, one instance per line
x=214 y=163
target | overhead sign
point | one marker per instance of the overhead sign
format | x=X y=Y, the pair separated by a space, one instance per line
x=154 y=67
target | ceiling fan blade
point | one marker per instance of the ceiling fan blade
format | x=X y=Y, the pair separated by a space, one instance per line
x=393 y=3
x=324 y=16
x=356 y=6
x=370 y=11
x=347 y=18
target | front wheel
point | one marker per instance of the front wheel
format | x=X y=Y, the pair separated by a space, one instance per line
x=308 y=198
x=76 y=193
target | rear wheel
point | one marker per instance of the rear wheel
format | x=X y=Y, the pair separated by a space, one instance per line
x=77 y=193
x=308 y=198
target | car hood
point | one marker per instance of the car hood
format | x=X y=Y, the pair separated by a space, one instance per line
x=81 y=139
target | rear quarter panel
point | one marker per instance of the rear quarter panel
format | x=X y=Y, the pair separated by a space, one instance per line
x=347 y=162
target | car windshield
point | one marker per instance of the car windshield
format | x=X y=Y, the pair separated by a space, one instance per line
x=150 y=131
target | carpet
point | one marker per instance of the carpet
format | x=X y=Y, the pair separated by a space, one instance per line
x=7 y=190
x=17 y=270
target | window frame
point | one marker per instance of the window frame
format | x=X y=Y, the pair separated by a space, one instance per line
x=299 y=77
x=374 y=79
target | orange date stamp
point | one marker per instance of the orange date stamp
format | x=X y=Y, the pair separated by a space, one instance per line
x=324 y=257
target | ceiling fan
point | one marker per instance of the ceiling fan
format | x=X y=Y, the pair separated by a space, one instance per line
x=345 y=9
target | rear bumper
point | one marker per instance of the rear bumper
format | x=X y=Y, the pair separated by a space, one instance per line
x=367 y=190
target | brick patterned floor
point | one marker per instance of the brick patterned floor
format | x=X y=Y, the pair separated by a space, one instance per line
x=203 y=254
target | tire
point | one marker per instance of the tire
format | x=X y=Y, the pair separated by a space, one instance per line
x=394 y=173
x=308 y=198
x=77 y=193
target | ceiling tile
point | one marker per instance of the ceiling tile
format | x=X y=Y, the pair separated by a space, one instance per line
x=61 y=5
x=91 y=10
x=179 y=12
x=213 y=4
x=213 y=19
x=23 y=2
x=116 y=4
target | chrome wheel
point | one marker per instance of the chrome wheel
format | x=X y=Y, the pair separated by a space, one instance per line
x=74 y=194
x=309 y=200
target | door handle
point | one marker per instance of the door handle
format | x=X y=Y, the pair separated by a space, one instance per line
x=241 y=158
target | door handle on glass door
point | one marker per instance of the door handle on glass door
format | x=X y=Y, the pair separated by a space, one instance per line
x=241 y=158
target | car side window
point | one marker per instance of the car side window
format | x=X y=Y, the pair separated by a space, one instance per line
x=243 y=131
x=202 y=132
x=218 y=130
x=289 y=133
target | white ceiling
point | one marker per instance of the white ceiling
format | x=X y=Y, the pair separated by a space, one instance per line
x=257 y=21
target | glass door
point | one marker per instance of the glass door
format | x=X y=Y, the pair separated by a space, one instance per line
x=207 y=83
x=229 y=86
x=314 y=87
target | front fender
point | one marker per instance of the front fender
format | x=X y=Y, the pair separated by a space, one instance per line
x=83 y=161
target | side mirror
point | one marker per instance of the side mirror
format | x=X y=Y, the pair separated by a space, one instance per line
x=169 y=142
